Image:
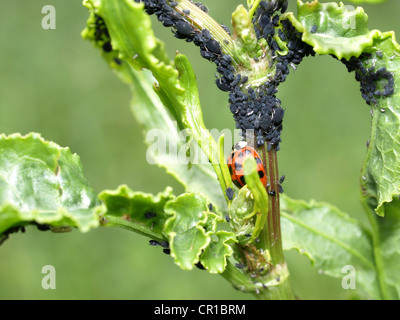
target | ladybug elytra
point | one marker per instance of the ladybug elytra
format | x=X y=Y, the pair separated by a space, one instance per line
x=236 y=160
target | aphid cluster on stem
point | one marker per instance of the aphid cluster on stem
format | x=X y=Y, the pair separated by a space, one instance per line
x=258 y=108
x=210 y=48
x=371 y=78
x=254 y=108
x=164 y=10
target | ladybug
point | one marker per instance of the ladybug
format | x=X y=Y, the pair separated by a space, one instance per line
x=236 y=160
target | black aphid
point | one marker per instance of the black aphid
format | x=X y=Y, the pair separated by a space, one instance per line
x=229 y=193
x=183 y=29
x=150 y=215
x=202 y=6
x=228 y=31
x=164 y=244
x=314 y=28
x=154 y=243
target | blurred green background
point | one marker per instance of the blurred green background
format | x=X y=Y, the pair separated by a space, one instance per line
x=54 y=83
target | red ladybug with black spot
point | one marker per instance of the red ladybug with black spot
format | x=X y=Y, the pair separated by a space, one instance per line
x=236 y=160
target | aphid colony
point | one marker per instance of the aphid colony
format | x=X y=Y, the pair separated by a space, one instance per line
x=369 y=78
x=101 y=34
x=253 y=109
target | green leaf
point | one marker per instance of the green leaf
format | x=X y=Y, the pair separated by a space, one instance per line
x=380 y=175
x=189 y=228
x=340 y=31
x=161 y=130
x=259 y=194
x=41 y=182
x=367 y=52
x=343 y=33
x=241 y=215
x=331 y=240
x=132 y=37
x=136 y=211
x=170 y=105
x=214 y=257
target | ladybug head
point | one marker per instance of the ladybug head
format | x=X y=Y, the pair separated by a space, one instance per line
x=240 y=145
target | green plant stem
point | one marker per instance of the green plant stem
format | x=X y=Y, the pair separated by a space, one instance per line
x=274 y=286
x=253 y=8
x=270 y=239
x=275 y=220
x=271 y=234
x=379 y=265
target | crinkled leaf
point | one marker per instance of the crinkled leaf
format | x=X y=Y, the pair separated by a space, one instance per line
x=330 y=239
x=332 y=28
x=185 y=222
x=214 y=257
x=136 y=211
x=189 y=228
x=44 y=183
